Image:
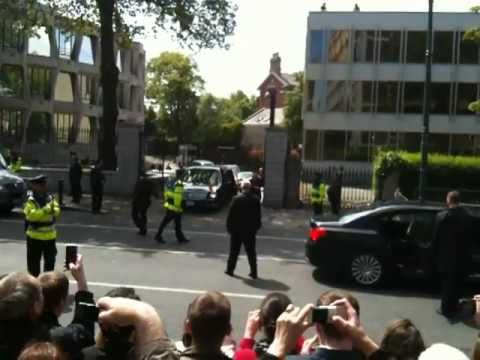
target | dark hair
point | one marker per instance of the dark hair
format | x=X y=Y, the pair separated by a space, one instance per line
x=123 y=292
x=454 y=197
x=327 y=298
x=209 y=319
x=402 y=340
x=55 y=289
x=272 y=306
x=42 y=351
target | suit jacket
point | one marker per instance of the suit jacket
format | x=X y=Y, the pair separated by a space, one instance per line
x=245 y=215
x=143 y=192
x=453 y=240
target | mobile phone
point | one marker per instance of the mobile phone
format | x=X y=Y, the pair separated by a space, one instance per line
x=323 y=314
x=71 y=255
x=91 y=311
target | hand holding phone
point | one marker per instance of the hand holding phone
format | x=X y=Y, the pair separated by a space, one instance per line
x=91 y=311
x=324 y=314
x=71 y=252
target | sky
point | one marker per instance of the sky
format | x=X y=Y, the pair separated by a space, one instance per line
x=265 y=27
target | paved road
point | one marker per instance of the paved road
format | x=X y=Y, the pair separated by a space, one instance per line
x=170 y=276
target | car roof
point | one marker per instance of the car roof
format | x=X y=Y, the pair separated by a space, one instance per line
x=208 y=167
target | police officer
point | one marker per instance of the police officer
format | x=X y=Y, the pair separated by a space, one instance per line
x=319 y=190
x=141 y=202
x=16 y=164
x=41 y=210
x=96 y=184
x=174 y=207
x=75 y=175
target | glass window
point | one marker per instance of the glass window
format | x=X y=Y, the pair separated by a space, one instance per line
x=390 y=46
x=39 y=127
x=311 y=144
x=310 y=94
x=11 y=126
x=39 y=44
x=339 y=49
x=334 y=145
x=387 y=97
x=468 y=51
x=11 y=81
x=87 y=86
x=439 y=143
x=64 y=87
x=364 y=46
x=64 y=128
x=362 y=96
x=65 y=43
x=440 y=98
x=10 y=36
x=443 y=47
x=416 y=46
x=318 y=46
x=336 y=96
x=357 y=146
x=466 y=94
x=86 y=131
x=413 y=97
x=409 y=141
x=462 y=145
x=86 y=51
x=39 y=82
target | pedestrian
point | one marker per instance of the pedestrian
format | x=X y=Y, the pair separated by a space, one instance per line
x=75 y=174
x=141 y=202
x=335 y=193
x=97 y=180
x=173 y=204
x=243 y=221
x=258 y=182
x=452 y=249
x=319 y=190
x=41 y=211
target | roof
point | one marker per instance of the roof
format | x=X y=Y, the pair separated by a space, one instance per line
x=290 y=78
x=262 y=118
x=286 y=79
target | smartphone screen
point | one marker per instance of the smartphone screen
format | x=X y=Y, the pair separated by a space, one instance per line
x=71 y=255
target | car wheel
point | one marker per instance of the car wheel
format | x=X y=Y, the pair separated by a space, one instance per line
x=367 y=269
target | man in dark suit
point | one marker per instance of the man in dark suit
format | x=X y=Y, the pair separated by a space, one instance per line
x=141 y=202
x=75 y=175
x=243 y=221
x=452 y=249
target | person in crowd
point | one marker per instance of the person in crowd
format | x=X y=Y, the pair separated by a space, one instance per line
x=401 y=341
x=79 y=333
x=42 y=351
x=97 y=180
x=21 y=304
x=16 y=163
x=334 y=193
x=452 y=246
x=41 y=211
x=141 y=202
x=319 y=190
x=258 y=182
x=442 y=351
x=115 y=342
x=243 y=221
x=207 y=324
x=174 y=204
x=75 y=174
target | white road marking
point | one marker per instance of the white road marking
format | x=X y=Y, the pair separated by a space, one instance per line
x=191 y=232
x=172 y=290
x=159 y=250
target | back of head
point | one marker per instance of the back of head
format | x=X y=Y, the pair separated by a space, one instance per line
x=42 y=351
x=453 y=198
x=330 y=297
x=402 y=340
x=442 y=351
x=272 y=306
x=209 y=320
x=55 y=290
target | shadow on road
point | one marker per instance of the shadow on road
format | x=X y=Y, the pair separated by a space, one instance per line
x=265 y=284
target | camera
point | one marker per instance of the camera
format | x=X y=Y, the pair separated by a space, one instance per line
x=324 y=314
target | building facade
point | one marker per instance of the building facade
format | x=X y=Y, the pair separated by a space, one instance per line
x=364 y=88
x=51 y=98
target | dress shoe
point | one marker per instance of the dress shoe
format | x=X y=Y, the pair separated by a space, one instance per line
x=183 y=241
x=159 y=239
x=229 y=273
x=142 y=232
x=253 y=276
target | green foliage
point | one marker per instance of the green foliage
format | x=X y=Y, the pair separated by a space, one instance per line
x=293 y=111
x=444 y=171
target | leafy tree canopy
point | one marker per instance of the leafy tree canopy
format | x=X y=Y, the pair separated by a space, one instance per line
x=293 y=110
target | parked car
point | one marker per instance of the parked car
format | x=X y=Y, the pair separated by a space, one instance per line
x=370 y=246
x=208 y=186
x=12 y=188
x=202 y=163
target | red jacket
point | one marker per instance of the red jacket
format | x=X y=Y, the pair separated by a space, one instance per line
x=245 y=349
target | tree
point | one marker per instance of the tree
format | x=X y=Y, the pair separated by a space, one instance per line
x=196 y=23
x=240 y=105
x=173 y=85
x=474 y=35
x=293 y=111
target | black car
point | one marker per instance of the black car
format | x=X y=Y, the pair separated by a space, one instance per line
x=371 y=245
x=12 y=188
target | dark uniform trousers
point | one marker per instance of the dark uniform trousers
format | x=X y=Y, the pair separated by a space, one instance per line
x=97 y=197
x=177 y=218
x=452 y=283
x=35 y=250
x=248 y=241
x=139 y=216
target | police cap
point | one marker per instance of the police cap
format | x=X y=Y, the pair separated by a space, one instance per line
x=40 y=180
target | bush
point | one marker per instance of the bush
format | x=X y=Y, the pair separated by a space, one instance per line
x=444 y=173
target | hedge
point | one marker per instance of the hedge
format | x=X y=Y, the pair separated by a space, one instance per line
x=444 y=172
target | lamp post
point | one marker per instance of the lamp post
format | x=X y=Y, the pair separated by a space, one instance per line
x=426 y=106
x=272 y=94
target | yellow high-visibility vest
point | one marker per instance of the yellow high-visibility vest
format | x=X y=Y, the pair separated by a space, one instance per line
x=41 y=220
x=174 y=199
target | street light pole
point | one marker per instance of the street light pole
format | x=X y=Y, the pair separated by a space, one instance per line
x=273 y=104
x=426 y=105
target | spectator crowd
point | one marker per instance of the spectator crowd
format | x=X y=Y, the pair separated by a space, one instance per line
x=129 y=328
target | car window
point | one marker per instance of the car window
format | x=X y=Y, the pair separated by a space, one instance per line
x=414 y=227
x=199 y=176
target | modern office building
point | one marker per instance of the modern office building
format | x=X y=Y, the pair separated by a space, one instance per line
x=365 y=75
x=51 y=99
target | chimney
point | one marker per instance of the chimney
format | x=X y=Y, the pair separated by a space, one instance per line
x=276 y=64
